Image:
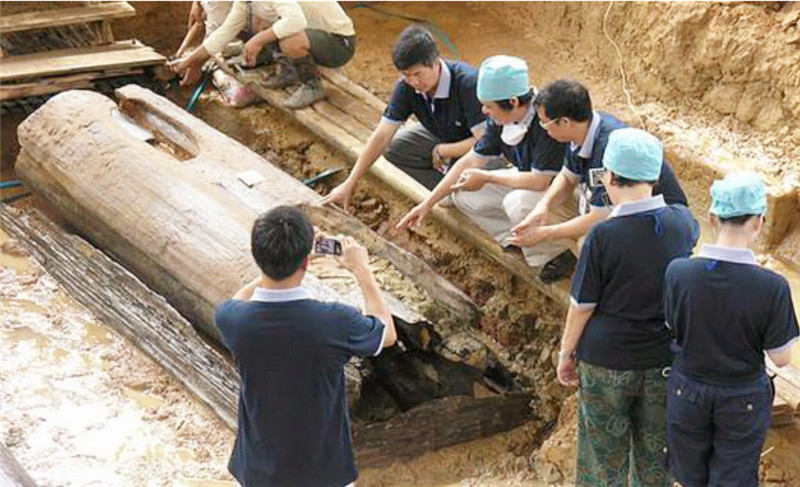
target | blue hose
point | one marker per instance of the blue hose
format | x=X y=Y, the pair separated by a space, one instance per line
x=198 y=91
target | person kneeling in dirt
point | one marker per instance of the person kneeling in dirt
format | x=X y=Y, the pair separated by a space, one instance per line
x=301 y=35
x=290 y=350
x=499 y=199
x=615 y=345
x=725 y=311
x=565 y=112
x=441 y=94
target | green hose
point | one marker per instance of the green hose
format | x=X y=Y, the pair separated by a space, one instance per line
x=437 y=31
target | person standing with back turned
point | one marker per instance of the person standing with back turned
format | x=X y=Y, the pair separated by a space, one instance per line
x=725 y=311
x=615 y=323
x=290 y=350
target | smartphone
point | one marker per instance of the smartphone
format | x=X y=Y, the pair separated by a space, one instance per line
x=328 y=246
x=596 y=176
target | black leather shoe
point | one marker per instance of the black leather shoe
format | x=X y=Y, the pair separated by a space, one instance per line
x=558 y=268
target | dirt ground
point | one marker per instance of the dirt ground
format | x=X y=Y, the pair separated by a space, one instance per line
x=716 y=99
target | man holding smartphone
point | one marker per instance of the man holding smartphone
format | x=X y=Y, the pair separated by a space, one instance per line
x=290 y=350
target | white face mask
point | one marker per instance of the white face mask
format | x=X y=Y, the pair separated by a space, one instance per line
x=513 y=133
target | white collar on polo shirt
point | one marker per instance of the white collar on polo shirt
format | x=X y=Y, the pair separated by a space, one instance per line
x=588 y=143
x=280 y=295
x=737 y=255
x=640 y=206
x=443 y=86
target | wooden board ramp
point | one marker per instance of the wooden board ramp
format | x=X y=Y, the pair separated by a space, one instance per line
x=786 y=409
x=345 y=120
x=49 y=51
x=12 y=474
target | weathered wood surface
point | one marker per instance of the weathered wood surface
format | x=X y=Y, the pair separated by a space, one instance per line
x=122 y=54
x=65 y=16
x=335 y=121
x=11 y=472
x=787 y=386
x=180 y=217
x=437 y=424
x=120 y=300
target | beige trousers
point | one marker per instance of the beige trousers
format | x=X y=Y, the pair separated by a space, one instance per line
x=497 y=209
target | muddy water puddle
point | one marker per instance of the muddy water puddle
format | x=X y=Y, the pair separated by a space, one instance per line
x=82 y=407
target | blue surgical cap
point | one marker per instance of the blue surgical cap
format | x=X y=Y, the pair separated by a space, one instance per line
x=737 y=194
x=501 y=77
x=634 y=154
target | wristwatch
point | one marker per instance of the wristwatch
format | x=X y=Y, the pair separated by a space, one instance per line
x=566 y=354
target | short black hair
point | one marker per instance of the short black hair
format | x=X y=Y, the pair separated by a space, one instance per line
x=281 y=239
x=736 y=221
x=565 y=98
x=623 y=182
x=415 y=45
x=525 y=99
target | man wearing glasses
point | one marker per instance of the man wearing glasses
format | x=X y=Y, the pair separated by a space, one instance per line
x=499 y=199
x=565 y=112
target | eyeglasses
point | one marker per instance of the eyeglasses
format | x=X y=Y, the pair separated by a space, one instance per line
x=547 y=124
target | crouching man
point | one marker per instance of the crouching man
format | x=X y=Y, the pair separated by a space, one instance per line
x=499 y=199
x=304 y=34
x=294 y=427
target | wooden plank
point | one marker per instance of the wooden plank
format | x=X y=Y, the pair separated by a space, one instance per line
x=65 y=16
x=123 y=54
x=343 y=120
x=356 y=90
x=346 y=102
x=58 y=84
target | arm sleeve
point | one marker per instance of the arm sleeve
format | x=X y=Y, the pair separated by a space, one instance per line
x=587 y=284
x=364 y=334
x=782 y=327
x=473 y=110
x=225 y=319
x=235 y=21
x=489 y=144
x=548 y=153
x=399 y=107
x=292 y=19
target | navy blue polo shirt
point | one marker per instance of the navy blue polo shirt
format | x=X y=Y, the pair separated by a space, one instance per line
x=583 y=159
x=620 y=274
x=290 y=350
x=725 y=311
x=536 y=152
x=451 y=114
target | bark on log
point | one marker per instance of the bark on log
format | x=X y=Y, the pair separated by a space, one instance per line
x=175 y=212
x=150 y=323
x=11 y=472
x=437 y=424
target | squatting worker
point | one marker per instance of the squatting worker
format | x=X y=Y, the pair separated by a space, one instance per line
x=290 y=349
x=306 y=34
x=441 y=94
x=565 y=111
x=499 y=199
x=725 y=311
x=615 y=344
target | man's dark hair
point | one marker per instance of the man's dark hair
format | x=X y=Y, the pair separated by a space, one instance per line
x=281 y=238
x=415 y=45
x=737 y=221
x=525 y=99
x=565 y=98
x=623 y=182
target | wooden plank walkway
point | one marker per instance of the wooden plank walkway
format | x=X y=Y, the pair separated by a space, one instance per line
x=116 y=56
x=101 y=11
x=345 y=120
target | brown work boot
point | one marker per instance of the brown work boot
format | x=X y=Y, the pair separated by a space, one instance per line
x=285 y=77
x=311 y=89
